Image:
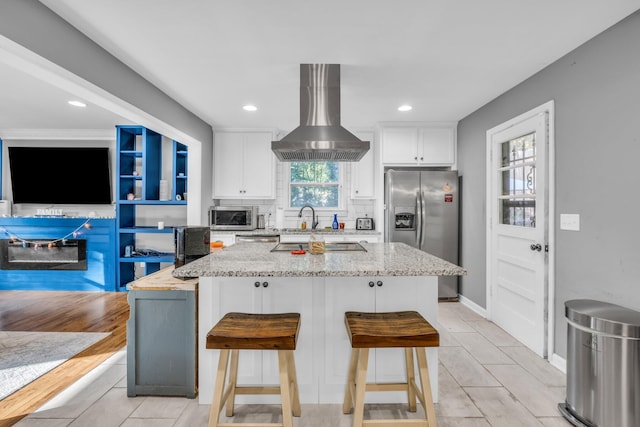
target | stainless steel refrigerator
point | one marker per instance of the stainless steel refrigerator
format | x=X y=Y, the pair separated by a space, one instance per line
x=421 y=210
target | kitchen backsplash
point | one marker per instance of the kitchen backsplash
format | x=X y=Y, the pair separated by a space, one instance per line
x=354 y=208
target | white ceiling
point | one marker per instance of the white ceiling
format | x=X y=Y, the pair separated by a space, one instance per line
x=444 y=57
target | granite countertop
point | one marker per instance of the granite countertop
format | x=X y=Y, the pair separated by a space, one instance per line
x=162 y=280
x=296 y=231
x=381 y=259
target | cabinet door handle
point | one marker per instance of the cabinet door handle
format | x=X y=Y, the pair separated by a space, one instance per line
x=371 y=284
x=265 y=284
x=257 y=284
x=421 y=158
x=415 y=158
x=379 y=283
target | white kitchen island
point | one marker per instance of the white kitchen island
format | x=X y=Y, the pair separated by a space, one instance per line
x=248 y=277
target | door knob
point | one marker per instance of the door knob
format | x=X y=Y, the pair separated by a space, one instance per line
x=371 y=284
x=536 y=247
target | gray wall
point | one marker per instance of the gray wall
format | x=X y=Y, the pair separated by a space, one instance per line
x=35 y=27
x=596 y=89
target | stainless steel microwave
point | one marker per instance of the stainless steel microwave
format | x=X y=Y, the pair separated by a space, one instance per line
x=233 y=217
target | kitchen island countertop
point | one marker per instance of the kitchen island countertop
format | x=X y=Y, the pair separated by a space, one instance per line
x=257 y=260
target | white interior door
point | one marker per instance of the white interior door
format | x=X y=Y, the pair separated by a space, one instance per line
x=517 y=224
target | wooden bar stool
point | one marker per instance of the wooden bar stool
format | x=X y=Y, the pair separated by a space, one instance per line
x=245 y=331
x=403 y=329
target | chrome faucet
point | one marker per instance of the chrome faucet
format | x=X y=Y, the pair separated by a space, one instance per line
x=314 y=223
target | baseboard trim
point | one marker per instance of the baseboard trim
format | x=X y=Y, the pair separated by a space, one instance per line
x=473 y=306
x=555 y=360
x=558 y=362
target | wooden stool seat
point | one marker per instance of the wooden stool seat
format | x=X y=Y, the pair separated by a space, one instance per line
x=244 y=331
x=248 y=331
x=402 y=329
x=395 y=329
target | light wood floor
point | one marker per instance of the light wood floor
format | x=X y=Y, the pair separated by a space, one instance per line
x=486 y=378
x=57 y=311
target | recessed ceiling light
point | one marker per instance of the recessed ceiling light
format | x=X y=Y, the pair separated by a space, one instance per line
x=77 y=104
x=405 y=108
x=249 y=108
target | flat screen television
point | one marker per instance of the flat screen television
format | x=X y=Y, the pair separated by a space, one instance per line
x=60 y=175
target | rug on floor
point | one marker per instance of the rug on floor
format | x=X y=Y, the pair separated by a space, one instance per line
x=25 y=356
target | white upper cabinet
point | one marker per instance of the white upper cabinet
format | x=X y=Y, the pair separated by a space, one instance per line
x=244 y=165
x=363 y=172
x=400 y=145
x=424 y=145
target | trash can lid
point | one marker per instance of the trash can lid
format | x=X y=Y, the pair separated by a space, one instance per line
x=604 y=317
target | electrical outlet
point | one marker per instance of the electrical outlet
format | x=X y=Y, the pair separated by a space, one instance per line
x=570 y=222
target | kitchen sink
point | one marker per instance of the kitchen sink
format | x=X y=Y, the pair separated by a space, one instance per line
x=328 y=247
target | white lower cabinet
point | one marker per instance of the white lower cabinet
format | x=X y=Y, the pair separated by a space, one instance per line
x=323 y=348
x=368 y=294
x=265 y=295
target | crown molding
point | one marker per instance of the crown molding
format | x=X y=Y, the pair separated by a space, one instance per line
x=58 y=134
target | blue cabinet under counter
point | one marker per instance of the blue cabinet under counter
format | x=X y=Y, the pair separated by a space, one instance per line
x=161 y=336
x=58 y=254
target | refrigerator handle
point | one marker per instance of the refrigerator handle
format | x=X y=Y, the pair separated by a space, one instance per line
x=423 y=215
x=388 y=208
x=418 y=218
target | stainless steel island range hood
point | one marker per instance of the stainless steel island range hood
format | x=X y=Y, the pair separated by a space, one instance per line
x=320 y=137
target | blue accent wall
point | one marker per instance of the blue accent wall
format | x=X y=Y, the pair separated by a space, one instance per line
x=100 y=275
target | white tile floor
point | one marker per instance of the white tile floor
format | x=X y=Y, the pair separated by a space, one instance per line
x=487 y=378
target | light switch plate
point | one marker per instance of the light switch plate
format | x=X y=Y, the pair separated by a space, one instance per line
x=570 y=222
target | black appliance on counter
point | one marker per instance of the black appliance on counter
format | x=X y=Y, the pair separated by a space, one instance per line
x=191 y=243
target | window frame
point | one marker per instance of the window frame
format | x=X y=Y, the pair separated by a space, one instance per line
x=341 y=208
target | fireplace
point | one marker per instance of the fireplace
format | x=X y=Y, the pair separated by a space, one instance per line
x=42 y=254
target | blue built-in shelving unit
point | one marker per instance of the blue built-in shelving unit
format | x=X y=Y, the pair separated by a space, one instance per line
x=179 y=187
x=139 y=171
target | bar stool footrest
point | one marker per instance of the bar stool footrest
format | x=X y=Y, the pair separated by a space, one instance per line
x=395 y=423
x=257 y=389
x=250 y=425
x=386 y=387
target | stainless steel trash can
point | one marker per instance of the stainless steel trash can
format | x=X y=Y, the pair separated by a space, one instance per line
x=603 y=365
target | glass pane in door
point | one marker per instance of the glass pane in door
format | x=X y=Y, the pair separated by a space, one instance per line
x=519 y=150
x=517 y=201
x=520 y=212
x=519 y=180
